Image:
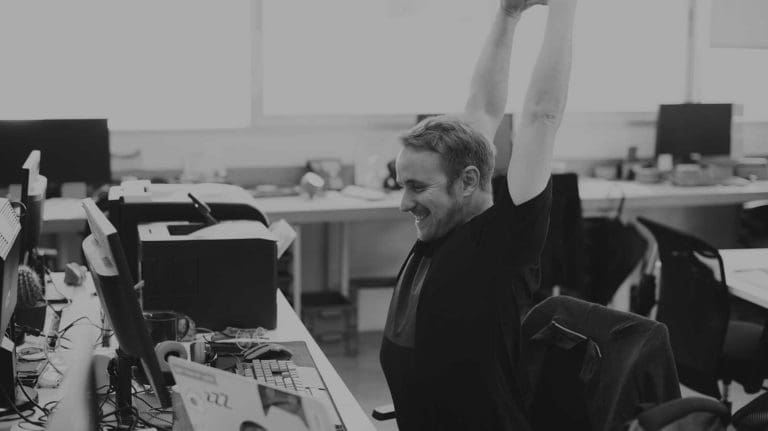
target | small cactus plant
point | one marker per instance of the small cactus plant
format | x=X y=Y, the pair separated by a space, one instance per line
x=30 y=291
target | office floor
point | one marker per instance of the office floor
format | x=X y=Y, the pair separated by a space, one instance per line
x=364 y=377
x=362 y=374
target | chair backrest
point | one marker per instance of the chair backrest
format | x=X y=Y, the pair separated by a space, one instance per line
x=693 y=303
x=614 y=249
x=562 y=258
x=753 y=224
x=589 y=367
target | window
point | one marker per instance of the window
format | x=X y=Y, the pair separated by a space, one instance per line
x=175 y=64
x=732 y=75
x=409 y=56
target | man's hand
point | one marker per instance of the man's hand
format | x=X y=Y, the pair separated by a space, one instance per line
x=516 y=7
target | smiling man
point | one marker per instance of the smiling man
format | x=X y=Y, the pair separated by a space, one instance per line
x=450 y=348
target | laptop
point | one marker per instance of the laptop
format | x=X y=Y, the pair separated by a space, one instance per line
x=219 y=400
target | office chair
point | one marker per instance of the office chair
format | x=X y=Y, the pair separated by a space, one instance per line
x=753 y=224
x=589 y=367
x=694 y=304
x=753 y=416
x=563 y=263
x=691 y=413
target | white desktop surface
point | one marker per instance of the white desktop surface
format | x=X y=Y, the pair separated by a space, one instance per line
x=66 y=218
x=597 y=194
x=334 y=206
x=744 y=271
x=289 y=328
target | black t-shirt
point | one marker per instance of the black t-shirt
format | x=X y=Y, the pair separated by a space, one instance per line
x=463 y=371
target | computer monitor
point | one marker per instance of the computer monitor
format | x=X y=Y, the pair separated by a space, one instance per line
x=78 y=408
x=502 y=140
x=33 y=192
x=75 y=150
x=10 y=230
x=13 y=398
x=106 y=260
x=703 y=128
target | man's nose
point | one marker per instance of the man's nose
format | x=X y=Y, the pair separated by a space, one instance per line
x=406 y=203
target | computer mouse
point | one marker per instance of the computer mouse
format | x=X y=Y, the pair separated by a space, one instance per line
x=267 y=351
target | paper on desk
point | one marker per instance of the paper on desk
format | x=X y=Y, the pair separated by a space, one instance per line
x=284 y=234
x=235 y=229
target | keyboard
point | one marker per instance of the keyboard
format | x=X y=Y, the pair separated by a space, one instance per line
x=284 y=375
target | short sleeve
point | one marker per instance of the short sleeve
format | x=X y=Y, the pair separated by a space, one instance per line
x=516 y=233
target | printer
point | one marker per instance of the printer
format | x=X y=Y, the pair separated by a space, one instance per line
x=139 y=201
x=219 y=275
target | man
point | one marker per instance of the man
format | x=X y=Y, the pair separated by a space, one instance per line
x=450 y=347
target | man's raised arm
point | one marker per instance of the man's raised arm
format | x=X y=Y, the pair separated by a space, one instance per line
x=530 y=165
x=488 y=89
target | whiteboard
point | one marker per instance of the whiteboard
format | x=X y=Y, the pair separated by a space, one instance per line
x=411 y=56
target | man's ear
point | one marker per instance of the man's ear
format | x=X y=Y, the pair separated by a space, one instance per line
x=470 y=180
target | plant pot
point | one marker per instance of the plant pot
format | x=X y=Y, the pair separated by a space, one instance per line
x=33 y=317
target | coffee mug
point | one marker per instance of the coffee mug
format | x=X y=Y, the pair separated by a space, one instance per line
x=168 y=325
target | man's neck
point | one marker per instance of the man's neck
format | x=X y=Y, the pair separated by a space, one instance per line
x=478 y=203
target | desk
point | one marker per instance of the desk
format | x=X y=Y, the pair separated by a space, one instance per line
x=597 y=197
x=289 y=328
x=747 y=285
x=65 y=217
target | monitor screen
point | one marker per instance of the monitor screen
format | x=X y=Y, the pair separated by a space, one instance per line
x=72 y=150
x=10 y=235
x=33 y=192
x=106 y=260
x=502 y=141
x=703 y=128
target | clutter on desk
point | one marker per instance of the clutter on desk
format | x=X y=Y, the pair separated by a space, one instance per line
x=607 y=172
x=164 y=325
x=752 y=168
x=311 y=184
x=232 y=332
x=647 y=174
x=74 y=274
x=30 y=305
x=329 y=169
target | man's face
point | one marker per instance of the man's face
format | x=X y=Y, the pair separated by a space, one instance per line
x=436 y=206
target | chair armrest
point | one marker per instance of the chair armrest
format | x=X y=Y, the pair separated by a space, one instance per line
x=383 y=413
x=660 y=416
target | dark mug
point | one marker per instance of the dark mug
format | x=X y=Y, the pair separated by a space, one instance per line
x=167 y=325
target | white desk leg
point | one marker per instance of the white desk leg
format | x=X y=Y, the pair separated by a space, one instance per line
x=344 y=269
x=297 y=271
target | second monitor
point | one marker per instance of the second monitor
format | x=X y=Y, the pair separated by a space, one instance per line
x=694 y=128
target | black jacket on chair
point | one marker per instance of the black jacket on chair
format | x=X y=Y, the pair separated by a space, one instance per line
x=591 y=367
